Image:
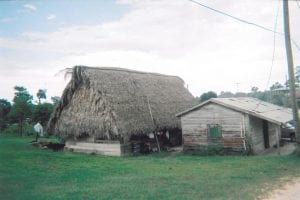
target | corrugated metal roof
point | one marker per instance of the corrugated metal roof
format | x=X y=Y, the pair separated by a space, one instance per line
x=252 y=106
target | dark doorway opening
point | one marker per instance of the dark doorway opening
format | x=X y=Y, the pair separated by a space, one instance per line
x=266 y=134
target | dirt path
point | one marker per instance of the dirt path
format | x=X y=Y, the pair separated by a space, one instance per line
x=290 y=191
x=286 y=149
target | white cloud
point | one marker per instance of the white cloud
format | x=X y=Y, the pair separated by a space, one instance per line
x=6 y=20
x=51 y=17
x=209 y=51
x=30 y=7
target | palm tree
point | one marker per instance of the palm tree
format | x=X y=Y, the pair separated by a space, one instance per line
x=41 y=94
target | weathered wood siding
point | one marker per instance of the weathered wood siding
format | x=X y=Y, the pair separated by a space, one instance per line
x=108 y=149
x=195 y=128
x=256 y=134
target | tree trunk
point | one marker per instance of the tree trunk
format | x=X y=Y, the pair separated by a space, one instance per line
x=21 y=127
x=37 y=137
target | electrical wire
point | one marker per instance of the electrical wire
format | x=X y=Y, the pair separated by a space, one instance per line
x=274 y=45
x=273 y=53
x=243 y=21
x=231 y=16
x=274 y=31
x=297 y=46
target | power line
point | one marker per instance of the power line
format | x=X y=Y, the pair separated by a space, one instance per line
x=243 y=21
x=231 y=16
x=295 y=44
x=273 y=53
x=274 y=31
x=274 y=45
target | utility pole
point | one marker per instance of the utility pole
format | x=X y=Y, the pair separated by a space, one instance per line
x=290 y=63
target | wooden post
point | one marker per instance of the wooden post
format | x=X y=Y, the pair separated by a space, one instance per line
x=157 y=142
x=37 y=136
x=21 y=127
x=289 y=56
x=244 y=133
x=278 y=134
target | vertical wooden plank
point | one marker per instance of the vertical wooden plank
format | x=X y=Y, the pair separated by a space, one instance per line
x=278 y=130
x=244 y=133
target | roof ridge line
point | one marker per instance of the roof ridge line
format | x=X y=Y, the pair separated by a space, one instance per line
x=106 y=68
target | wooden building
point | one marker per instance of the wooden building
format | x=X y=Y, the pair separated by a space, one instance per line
x=105 y=110
x=244 y=125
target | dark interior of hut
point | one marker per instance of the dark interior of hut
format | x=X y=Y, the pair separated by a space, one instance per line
x=154 y=142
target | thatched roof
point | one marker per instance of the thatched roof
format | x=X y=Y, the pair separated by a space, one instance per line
x=113 y=103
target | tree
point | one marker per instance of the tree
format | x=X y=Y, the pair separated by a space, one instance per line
x=5 y=107
x=275 y=86
x=226 y=94
x=42 y=113
x=297 y=78
x=254 y=89
x=21 y=92
x=41 y=94
x=55 y=100
x=261 y=95
x=21 y=108
x=208 y=95
x=241 y=94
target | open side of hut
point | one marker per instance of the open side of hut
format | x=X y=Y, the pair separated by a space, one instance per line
x=103 y=110
x=244 y=125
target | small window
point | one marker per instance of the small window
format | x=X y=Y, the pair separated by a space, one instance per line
x=214 y=131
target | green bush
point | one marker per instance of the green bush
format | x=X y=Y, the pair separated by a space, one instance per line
x=14 y=129
x=215 y=149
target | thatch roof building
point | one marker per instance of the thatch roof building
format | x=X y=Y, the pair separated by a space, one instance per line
x=112 y=104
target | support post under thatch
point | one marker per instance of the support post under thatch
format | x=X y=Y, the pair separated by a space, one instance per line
x=157 y=142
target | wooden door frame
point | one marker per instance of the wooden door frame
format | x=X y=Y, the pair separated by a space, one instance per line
x=266 y=135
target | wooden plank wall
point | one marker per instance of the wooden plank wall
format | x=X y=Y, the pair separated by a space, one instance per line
x=273 y=134
x=109 y=149
x=256 y=134
x=194 y=128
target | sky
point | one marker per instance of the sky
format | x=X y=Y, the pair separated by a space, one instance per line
x=209 y=51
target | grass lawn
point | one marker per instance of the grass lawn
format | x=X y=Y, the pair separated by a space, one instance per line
x=30 y=173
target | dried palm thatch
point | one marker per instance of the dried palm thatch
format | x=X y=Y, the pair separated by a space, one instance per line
x=114 y=103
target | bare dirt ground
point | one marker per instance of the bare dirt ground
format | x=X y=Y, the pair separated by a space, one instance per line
x=290 y=191
x=286 y=149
